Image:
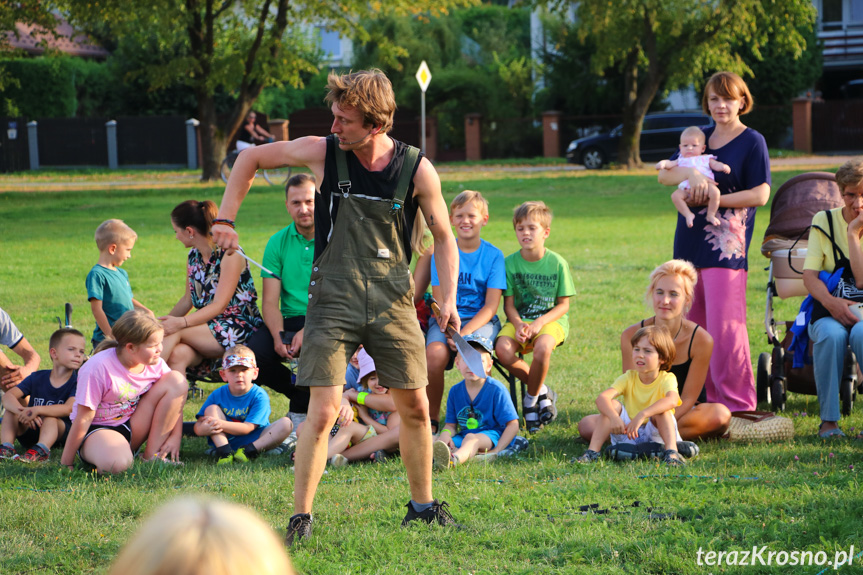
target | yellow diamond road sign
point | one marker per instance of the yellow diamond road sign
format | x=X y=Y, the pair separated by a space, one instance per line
x=424 y=76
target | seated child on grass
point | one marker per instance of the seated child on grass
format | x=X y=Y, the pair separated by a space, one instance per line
x=378 y=420
x=480 y=417
x=235 y=418
x=692 y=156
x=127 y=395
x=108 y=287
x=481 y=281
x=536 y=302
x=649 y=393
x=44 y=420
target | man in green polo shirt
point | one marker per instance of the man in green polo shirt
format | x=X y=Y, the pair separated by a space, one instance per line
x=289 y=254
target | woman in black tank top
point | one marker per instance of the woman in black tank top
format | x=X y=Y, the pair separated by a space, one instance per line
x=670 y=295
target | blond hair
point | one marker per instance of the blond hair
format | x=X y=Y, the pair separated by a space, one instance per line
x=113 y=232
x=469 y=197
x=369 y=92
x=191 y=536
x=534 y=209
x=694 y=132
x=679 y=268
x=850 y=174
x=728 y=85
x=134 y=326
x=660 y=338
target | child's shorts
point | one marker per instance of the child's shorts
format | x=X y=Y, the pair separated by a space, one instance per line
x=434 y=334
x=490 y=433
x=646 y=432
x=123 y=429
x=30 y=437
x=553 y=329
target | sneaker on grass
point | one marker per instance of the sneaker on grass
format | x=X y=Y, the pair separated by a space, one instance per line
x=437 y=513
x=36 y=454
x=7 y=452
x=589 y=456
x=299 y=527
x=441 y=455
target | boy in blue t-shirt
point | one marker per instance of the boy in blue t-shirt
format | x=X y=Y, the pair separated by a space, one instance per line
x=235 y=418
x=481 y=282
x=480 y=416
x=108 y=287
x=44 y=421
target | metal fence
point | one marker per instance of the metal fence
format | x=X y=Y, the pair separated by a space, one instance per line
x=151 y=140
x=13 y=145
x=837 y=125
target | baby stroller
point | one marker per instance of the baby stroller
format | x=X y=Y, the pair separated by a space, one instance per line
x=785 y=241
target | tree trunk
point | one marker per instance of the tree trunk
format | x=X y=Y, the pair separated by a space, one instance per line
x=628 y=151
x=213 y=142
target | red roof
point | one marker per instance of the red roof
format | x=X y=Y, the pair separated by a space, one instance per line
x=33 y=41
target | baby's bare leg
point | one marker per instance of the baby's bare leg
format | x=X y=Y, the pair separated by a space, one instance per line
x=712 y=204
x=678 y=198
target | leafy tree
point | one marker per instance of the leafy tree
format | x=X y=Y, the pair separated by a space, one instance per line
x=666 y=44
x=29 y=12
x=480 y=62
x=228 y=47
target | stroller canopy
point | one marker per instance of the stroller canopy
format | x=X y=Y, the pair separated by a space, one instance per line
x=797 y=201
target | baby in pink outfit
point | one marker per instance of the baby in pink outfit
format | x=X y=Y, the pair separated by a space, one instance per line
x=691 y=156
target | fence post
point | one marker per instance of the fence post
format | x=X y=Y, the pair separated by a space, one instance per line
x=111 y=129
x=473 y=137
x=33 y=144
x=801 y=120
x=551 y=134
x=192 y=143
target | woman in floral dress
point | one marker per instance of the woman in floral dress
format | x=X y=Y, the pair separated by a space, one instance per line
x=219 y=288
x=719 y=253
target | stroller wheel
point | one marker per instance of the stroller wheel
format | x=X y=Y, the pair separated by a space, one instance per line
x=777 y=394
x=846 y=395
x=762 y=377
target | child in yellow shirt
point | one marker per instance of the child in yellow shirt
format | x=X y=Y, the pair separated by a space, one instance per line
x=649 y=392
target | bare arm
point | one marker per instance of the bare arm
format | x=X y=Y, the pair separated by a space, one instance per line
x=12 y=401
x=270 y=294
x=55 y=410
x=701 y=351
x=606 y=407
x=718 y=166
x=76 y=435
x=377 y=401
x=507 y=436
x=666 y=164
x=17 y=373
x=237 y=427
x=310 y=151
x=855 y=255
x=428 y=193
x=753 y=198
x=101 y=318
x=561 y=307
x=837 y=307
x=484 y=315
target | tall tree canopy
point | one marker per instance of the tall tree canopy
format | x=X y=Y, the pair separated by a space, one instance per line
x=666 y=44
x=233 y=47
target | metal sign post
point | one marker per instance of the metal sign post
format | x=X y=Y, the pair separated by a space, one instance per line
x=423 y=77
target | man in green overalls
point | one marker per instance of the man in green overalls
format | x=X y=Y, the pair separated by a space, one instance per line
x=361 y=290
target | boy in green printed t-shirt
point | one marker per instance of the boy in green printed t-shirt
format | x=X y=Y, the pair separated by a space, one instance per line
x=536 y=302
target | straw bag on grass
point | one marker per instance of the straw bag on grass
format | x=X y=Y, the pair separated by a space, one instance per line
x=759 y=426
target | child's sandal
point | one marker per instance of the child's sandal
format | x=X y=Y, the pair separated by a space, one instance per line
x=533 y=424
x=672 y=458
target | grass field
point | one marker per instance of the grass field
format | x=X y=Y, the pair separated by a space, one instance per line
x=522 y=515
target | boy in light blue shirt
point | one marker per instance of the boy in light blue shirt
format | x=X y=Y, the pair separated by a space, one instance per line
x=481 y=282
x=235 y=418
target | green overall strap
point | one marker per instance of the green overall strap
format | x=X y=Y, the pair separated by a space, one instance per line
x=411 y=157
x=342 y=168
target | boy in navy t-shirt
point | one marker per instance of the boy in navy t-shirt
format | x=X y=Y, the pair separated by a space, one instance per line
x=235 y=418
x=44 y=421
x=480 y=416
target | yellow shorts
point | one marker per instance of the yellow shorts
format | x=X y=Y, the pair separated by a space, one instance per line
x=553 y=329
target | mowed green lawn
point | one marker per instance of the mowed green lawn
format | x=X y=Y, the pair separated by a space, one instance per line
x=520 y=516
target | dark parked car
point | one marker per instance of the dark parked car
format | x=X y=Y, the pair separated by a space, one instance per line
x=660 y=137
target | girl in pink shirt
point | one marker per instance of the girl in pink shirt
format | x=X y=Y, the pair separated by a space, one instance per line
x=127 y=395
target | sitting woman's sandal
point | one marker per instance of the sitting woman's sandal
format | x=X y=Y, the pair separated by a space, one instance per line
x=672 y=458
